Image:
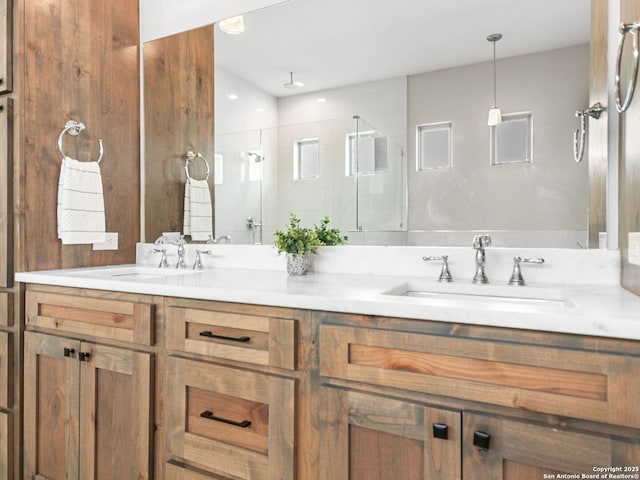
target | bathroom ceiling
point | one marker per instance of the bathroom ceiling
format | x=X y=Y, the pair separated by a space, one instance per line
x=331 y=43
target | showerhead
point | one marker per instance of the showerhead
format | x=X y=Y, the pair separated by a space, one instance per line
x=256 y=156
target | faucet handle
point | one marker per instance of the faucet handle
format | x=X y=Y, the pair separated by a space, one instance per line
x=516 y=275
x=481 y=241
x=445 y=274
x=198 y=265
x=163 y=259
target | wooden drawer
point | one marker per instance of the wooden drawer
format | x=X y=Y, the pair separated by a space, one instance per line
x=122 y=320
x=6 y=368
x=6 y=445
x=6 y=309
x=230 y=421
x=257 y=339
x=177 y=471
x=595 y=386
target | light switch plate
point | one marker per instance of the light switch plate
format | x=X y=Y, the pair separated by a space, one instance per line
x=634 y=248
x=110 y=242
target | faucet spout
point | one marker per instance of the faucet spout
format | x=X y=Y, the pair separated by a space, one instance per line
x=479 y=244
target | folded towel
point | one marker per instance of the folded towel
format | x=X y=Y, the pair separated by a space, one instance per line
x=80 y=203
x=197 y=210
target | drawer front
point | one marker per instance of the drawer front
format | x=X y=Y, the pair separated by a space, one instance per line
x=256 y=339
x=6 y=445
x=6 y=368
x=593 y=386
x=176 y=471
x=230 y=421
x=121 y=320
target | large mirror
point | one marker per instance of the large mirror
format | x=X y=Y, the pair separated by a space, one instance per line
x=389 y=136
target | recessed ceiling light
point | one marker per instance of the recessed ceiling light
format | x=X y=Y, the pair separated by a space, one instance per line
x=321 y=100
x=233 y=96
x=259 y=109
x=233 y=25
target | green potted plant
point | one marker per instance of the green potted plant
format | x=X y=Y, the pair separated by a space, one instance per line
x=328 y=236
x=297 y=242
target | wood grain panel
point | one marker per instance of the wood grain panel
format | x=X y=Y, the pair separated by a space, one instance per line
x=6 y=370
x=6 y=445
x=115 y=319
x=271 y=341
x=6 y=191
x=6 y=46
x=6 y=309
x=81 y=62
x=630 y=168
x=194 y=385
x=598 y=134
x=178 y=105
x=603 y=388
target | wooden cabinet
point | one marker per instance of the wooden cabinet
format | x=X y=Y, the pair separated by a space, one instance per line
x=519 y=450
x=372 y=437
x=513 y=409
x=231 y=421
x=230 y=391
x=6 y=444
x=93 y=402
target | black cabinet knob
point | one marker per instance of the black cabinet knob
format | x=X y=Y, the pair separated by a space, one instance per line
x=69 y=352
x=440 y=430
x=482 y=440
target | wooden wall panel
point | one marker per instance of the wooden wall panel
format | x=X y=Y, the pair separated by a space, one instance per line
x=178 y=99
x=630 y=168
x=81 y=62
x=598 y=129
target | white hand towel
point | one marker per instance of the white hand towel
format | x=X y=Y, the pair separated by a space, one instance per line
x=80 y=203
x=197 y=210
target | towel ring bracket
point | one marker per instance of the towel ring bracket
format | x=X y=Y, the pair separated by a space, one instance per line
x=74 y=128
x=191 y=156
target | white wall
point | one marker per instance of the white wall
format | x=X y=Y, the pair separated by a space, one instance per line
x=552 y=193
x=161 y=18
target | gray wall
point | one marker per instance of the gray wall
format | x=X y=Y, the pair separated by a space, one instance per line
x=549 y=194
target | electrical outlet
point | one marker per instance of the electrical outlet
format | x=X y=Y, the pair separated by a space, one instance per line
x=110 y=242
x=634 y=248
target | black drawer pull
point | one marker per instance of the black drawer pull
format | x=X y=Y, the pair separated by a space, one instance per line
x=210 y=416
x=210 y=334
x=482 y=440
x=69 y=352
x=440 y=430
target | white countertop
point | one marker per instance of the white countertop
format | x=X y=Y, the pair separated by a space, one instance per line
x=605 y=310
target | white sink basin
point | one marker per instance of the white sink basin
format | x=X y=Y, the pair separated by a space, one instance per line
x=137 y=272
x=469 y=292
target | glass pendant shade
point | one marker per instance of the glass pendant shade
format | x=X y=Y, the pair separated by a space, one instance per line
x=495 y=117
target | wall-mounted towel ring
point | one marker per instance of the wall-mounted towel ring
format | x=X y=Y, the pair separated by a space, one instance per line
x=74 y=128
x=579 y=135
x=192 y=156
x=631 y=28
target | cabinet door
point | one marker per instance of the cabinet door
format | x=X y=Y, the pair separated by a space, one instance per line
x=369 y=437
x=6 y=445
x=51 y=407
x=229 y=421
x=6 y=182
x=115 y=413
x=518 y=450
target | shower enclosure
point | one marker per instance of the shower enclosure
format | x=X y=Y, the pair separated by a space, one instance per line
x=344 y=168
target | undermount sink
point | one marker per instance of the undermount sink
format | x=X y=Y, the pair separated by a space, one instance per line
x=138 y=272
x=466 y=292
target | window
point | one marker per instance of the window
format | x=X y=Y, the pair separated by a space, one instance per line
x=306 y=158
x=511 y=141
x=434 y=146
x=366 y=153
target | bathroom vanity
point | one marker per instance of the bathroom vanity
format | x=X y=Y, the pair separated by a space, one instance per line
x=236 y=373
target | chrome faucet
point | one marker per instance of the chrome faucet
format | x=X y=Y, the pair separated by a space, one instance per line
x=221 y=239
x=445 y=274
x=479 y=243
x=198 y=265
x=181 y=252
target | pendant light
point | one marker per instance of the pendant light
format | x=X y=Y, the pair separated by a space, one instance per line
x=495 y=116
